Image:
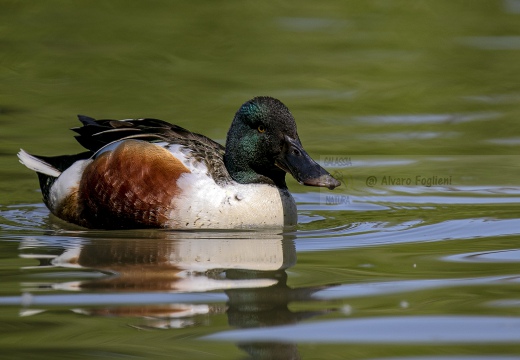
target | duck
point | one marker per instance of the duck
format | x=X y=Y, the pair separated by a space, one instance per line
x=149 y=173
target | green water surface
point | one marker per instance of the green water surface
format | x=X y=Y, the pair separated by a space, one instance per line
x=413 y=105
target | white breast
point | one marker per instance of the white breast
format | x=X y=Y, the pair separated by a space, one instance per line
x=203 y=204
x=206 y=205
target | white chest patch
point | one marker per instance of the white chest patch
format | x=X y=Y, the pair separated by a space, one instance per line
x=203 y=204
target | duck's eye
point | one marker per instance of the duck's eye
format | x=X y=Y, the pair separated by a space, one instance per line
x=261 y=128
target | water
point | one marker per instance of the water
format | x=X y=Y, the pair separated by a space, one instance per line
x=413 y=106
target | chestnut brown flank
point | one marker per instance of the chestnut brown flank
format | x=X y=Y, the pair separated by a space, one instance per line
x=132 y=185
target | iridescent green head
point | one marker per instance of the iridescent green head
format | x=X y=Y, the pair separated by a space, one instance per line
x=263 y=145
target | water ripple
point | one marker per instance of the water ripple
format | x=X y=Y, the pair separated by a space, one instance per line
x=398 y=234
x=388 y=330
x=499 y=256
x=392 y=287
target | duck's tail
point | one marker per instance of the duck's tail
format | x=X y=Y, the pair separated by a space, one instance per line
x=49 y=168
x=37 y=164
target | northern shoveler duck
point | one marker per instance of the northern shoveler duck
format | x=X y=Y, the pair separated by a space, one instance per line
x=149 y=173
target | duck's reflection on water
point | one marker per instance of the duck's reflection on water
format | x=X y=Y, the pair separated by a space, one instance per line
x=250 y=268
